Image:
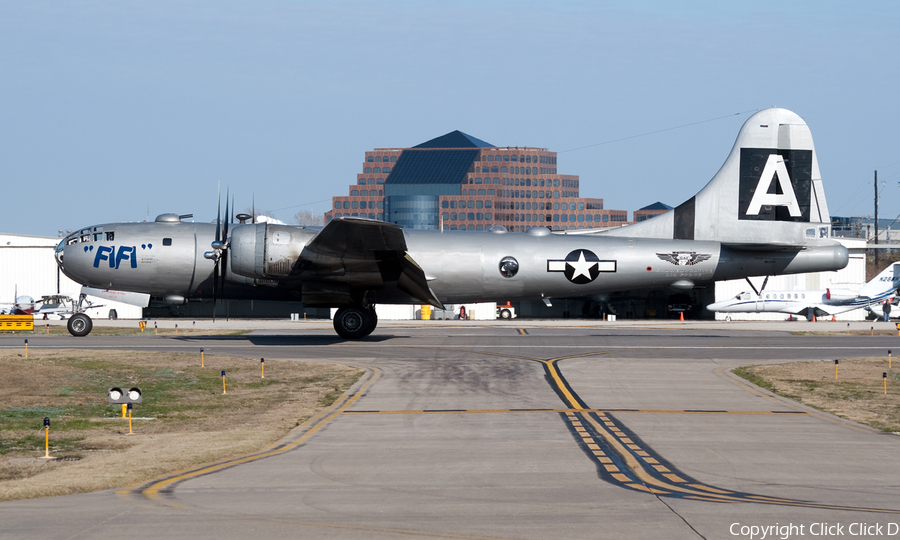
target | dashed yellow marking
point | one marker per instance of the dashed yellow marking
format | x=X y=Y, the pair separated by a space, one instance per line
x=674 y=478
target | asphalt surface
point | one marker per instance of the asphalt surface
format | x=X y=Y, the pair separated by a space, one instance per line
x=520 y=429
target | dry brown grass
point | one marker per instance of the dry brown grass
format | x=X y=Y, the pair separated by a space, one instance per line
x=194 y=422
x=856 y=394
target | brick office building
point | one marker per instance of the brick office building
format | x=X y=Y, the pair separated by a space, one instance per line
x=459 y=182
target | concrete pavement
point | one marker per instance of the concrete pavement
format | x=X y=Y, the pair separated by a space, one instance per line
x=568 y=430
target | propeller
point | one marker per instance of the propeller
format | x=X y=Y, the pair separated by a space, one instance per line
x=219 y=253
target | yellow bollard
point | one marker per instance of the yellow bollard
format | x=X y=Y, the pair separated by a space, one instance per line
x=26 y=348
x=836 y=369
x=176 y=329
x=201 y=357
x=871 y=330
x=194 y=327
x=129 y=420
x=223 y=382
x=46 y=437
x=48 y=329
x=262 y=367
x=156 y=328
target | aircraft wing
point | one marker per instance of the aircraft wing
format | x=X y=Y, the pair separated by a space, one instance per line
x=359 y=254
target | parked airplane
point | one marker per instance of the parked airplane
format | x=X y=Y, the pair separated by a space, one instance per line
x=818 y=303
x=57 y=305
x=876 y=311
x=763 y=213
x=23 y=305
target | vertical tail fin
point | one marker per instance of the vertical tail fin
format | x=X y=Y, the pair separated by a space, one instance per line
x=884 y=284
x=768 y=192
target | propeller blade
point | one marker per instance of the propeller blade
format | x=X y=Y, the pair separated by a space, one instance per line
x=218 y=215
x=227 y=220
x=215 y=283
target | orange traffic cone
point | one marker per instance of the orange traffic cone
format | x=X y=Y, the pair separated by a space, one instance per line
x=681 y=317
x=833 y=319
x=814 y=318
x=791 y=317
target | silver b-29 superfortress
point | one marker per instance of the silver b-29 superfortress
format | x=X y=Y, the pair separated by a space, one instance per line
x=764 y=213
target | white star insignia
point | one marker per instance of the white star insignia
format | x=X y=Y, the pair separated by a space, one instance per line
x=581 y=266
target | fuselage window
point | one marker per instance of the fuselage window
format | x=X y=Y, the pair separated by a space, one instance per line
x=167 y=241
x=509 y=267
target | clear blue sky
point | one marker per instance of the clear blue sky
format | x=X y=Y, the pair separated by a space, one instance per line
x=113 y=111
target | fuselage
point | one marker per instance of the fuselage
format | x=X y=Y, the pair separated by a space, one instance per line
x=166 y=259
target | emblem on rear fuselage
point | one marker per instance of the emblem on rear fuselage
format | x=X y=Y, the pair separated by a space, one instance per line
x=581 y=266
x=683 y=258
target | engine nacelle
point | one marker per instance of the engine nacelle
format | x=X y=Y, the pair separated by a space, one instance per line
x=837 y=296
x=265 y=251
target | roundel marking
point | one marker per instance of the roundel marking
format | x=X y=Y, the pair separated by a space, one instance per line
x=581 y=266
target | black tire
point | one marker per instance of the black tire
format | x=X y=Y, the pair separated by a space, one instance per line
x=354 y=322
x=80 y=325
x=505 y=314
x=373 y=320
x=113 y=314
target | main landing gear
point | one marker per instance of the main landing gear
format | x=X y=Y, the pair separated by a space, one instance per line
x=355 y=322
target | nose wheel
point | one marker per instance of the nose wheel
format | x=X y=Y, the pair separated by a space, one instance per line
x=79 y=325
x=355 y=322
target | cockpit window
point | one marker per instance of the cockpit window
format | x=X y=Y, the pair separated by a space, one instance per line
x=167 y=241
x=745 y=296
x=111 y=235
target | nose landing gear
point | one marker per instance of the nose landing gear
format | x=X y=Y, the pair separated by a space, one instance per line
x=80 y=324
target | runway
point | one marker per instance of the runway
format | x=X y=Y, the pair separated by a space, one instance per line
x=523 y=431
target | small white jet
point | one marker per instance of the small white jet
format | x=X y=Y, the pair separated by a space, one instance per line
x=820 y=303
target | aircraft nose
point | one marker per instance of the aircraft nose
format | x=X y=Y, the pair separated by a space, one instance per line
x=59 y=252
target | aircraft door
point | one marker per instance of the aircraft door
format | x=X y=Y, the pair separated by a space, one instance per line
x=173 y=260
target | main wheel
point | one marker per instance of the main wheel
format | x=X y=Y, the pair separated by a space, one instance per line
x=80 y=325
x=354 y=322
x=373 y=320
